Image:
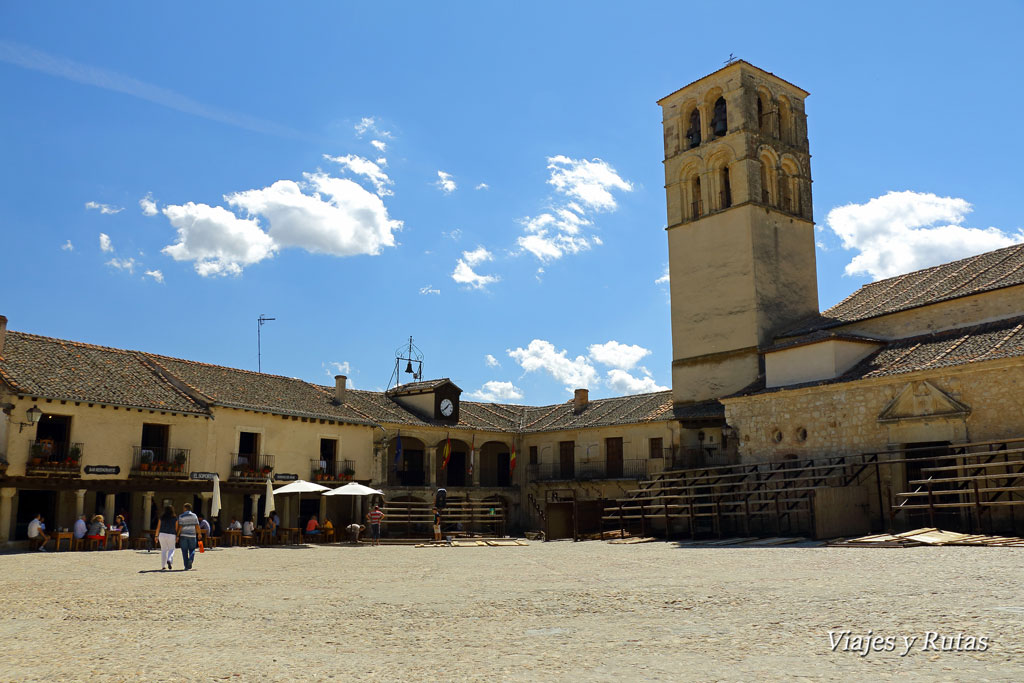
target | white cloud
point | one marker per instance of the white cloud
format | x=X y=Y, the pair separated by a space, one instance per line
x=122 y=264
x=664 y=279
x=379 y=145
x=366 y=168
x=217 y=240
x=589 y=181
x=381 y=161
x=575 y=373
x=333 y=368
x=587 y=187
x=105 y=244
x=429 y=289
x=156 y=275
x=453 y=235
x=616 y=355
x=337 y=217
x=368 y=124
x=465 y=274
x=904 y=231
x=148 y=206
x=624 y=383
x=497 y=391
x=104 y=208
x=445 y=182
x=67 y=246
x=482 y=186
x=491 y=361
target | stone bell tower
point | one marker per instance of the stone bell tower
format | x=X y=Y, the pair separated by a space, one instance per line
x=740 y=225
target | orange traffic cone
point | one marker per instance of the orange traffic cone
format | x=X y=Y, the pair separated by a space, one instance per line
x=201 y=548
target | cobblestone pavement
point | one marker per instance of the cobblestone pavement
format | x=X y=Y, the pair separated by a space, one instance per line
x=548 y=611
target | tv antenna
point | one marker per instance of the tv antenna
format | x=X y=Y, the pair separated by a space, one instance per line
x=413 y=358
x=259 y=341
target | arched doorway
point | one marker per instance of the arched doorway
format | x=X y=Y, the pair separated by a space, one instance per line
x=494 y=464
x=407 y=468
x=456 y=473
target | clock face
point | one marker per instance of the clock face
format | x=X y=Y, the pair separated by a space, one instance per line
x=447 y=407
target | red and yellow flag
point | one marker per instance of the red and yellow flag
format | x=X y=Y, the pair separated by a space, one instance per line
x=447 y=452
x=512 y=459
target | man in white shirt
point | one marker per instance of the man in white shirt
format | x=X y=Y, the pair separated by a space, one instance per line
x=235 y=525
x=80 y=527
x=36 y=533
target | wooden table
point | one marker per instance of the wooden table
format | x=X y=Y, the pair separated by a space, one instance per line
x=233 y=536
x=290 y=534
x=59 y=536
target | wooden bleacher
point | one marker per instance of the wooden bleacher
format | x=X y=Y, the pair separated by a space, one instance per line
x=416 y=519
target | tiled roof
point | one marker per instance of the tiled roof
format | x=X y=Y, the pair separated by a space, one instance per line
x=978 y=343
x=819 y=336
x=600 y=413
x=59 y=369
x=66 y=370
x=249 y=390
x=973 y=275
x=418 y=387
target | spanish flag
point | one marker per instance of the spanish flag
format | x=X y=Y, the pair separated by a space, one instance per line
x=447 y=452
x=512 y=459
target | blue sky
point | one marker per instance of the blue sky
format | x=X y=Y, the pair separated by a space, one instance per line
x=485 y=178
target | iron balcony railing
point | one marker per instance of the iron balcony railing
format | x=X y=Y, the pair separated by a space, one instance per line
x=406 y=477
x=251 y=467
x=158 y=461
x=332 y=470
x=587 y=471
x=46 y=457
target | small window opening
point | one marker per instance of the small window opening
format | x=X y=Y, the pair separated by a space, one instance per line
x=726 y=189
x=693 y=132
x=719 y=122
x=696 y=207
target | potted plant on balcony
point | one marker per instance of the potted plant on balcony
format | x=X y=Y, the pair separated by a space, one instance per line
x=348 y=473
x=74 y=455
x=145 y=460
x=179 y=462
x=265 y=471
x=3 y=465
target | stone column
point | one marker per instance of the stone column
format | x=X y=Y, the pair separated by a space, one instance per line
x=255 y=497
x=108 y=508
x=322 y=515
x=147 y=509
x=432 y=467
x=79 y=503
x=476 y=467
x=6 y=498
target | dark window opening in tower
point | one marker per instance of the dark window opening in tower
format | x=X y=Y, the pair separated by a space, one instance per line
x=760 y=115
x=785 y=196
x=766 y=194
x=693 y=132
x=697 y=206
x=726 y=189
x=719 y=123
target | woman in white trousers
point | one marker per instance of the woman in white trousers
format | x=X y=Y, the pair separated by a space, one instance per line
x=165 y=534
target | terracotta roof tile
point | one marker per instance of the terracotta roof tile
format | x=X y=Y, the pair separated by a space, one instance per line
x=973 y=275
x=67 y=370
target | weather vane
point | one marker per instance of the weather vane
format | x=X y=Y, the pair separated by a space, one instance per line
x=732 y=58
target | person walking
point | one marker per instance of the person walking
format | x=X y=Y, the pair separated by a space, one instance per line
x=188 y=535
x=437 y=525
x=165 y=534
x=374 y=517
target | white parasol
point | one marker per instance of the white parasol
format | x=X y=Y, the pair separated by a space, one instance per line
x=269 y=507
x=215 y=503
x=301 y=486
x=354 y=489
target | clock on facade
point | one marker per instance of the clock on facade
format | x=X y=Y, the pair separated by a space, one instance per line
x=447 y=407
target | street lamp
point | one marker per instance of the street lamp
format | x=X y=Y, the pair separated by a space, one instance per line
x=34 y=414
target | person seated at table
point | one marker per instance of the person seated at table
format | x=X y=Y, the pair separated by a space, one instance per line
x=277 y=522
x=312 y=526
x=327 y=526
x=81 y=527
x=204 y=525
x=247 y=528
x=354 y=530
x=98 y=531
x=272 y=525
x=122 y=526
x=36 y=532
x=235 y=525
